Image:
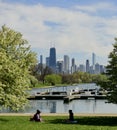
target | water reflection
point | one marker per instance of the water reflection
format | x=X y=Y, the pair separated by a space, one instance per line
x=78 y=106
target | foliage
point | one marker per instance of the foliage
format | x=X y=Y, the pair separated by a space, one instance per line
x=39 y=71
x=98 y=78
x=58 y=123
x=15 y=61
x=45 y=71
x=85 y=77
x=53 y=79
x=111 y=72
x=67 y=79
x=33 y=81
x=77 y=77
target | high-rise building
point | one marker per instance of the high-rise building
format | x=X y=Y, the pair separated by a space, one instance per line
x=92 y=70
x=47 y=61
x=73 y=66
x=81 y=68
x=60 y=67
x=97 y=68
x=73 y=62
x=102 y=69
x=52 y=59
x=87 y=66
x=66 y=64
x=93 y=59
x=41 y=59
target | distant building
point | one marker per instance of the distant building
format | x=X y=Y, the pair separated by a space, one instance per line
x=47 y=61
x=93 y=59
x=60 y=67
x=73 y=62
x=52 y=59
x=97 y=68
x=81 y=68
x=66 y=64
x=92 y=70
x=73 y=66
x=87 y=66
x=41 y=59
x=102 y=69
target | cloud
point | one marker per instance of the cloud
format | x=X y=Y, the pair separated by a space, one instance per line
x=101 y=6
x=71 y=31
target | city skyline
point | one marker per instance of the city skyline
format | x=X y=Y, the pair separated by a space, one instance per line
x=92 y=60
x=75 y=27
x=69 y=65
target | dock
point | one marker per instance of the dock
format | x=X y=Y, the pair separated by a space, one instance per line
x=65 y=96
x=44 y=97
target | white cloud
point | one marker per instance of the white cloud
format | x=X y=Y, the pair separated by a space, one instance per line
x=101 y=6
x=75 y=31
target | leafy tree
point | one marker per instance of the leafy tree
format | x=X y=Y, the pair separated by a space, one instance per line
x=67 y=78
x=15 y=61
x=111 y=71
x=33 y=81
x=40 y=71
x=99 y=78
x=53 y=79
x=45 y=71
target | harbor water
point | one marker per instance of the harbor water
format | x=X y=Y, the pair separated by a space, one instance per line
x=78 y=106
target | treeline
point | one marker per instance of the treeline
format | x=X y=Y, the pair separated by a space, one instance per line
x=75 y=78
x=44 y=76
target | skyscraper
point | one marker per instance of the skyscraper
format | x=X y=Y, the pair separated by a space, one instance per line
x=47 y=61
x=52 y=59
x=41 y=59
x=87 y=66
x=73 y=62
x=93 y=59
x=66 y=64
x=60 y=67
x=97 y=68
x=73 y=66
x=81 y=68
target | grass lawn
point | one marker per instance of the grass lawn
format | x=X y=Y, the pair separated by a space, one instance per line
x=58 y=123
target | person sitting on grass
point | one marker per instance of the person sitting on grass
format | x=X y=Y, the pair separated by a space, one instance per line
x=36 y=117
x=71 y=117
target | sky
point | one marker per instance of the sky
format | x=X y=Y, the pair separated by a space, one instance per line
x=76 y=28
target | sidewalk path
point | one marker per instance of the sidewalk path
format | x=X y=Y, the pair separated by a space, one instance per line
x=56 y=114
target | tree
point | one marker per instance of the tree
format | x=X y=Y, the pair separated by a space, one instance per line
x=15 y=61
x=53 y=79
x=67 y=78
x=40 y=71
x=111 y=71
x=45 y=71
x=98 y=78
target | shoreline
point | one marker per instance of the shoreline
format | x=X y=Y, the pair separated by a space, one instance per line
x=61 y=114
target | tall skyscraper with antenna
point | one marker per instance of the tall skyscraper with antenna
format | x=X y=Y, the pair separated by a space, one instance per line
x=52 y=59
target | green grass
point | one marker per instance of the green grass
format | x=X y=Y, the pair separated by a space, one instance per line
x=58 y=123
